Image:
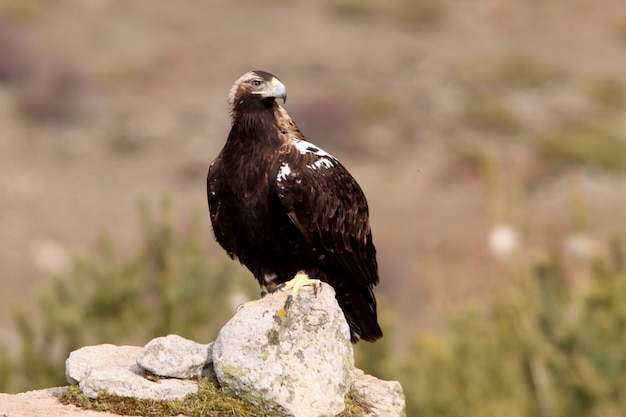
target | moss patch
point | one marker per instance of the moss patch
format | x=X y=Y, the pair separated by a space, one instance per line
x=356 y=405
x=210 y=401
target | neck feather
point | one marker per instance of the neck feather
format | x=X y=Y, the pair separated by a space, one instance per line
x=254 y=122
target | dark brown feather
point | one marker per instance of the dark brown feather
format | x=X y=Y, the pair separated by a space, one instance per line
x=282 y=205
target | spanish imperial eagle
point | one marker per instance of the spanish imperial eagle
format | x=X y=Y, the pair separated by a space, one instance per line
x=285 y=208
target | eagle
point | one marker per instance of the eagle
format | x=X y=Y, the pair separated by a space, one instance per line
x=289 y=211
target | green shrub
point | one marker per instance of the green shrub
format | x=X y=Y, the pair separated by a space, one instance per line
x=168 y=285
x=585 y=143
x=518 y=70
x=353 y=9
x=554 y=348
x=608 y=93
x=550 y=350
x=493 y=115
x=422 y=13
x=22 y=11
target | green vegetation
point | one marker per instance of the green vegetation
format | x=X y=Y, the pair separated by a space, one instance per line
x=513 y=71
x=608 y=93
x=168 y=286
x=492 y=114
x=22 y=11
x=208 y=402
x=414 y=14
x=553 y=347
x=422 y=13
x=353 y=9
x=592 y=138
x=587 y=143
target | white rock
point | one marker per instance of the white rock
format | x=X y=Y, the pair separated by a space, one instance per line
x=126 y=383
x=385 y=398
x=82 y=360
x=298 y=362
x=176 y=357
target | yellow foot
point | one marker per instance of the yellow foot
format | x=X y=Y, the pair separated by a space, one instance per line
x=294 y=285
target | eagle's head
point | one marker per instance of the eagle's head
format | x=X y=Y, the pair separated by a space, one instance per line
x=255 y=87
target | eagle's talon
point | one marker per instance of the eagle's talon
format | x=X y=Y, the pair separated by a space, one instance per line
x=294 y=285
x=288 y=302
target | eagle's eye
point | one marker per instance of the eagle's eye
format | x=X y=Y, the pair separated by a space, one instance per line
x=256 y=83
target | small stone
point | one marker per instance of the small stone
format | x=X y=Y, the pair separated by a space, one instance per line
x=385 y=398
x=297 y=361
x=126 y=383
x=174 y=356
x=82 y=360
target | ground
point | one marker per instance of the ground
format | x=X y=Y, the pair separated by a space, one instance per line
x=390 y=92
x=42 y=402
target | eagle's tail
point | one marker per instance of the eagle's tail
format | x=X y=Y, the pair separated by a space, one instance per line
x=359 y=307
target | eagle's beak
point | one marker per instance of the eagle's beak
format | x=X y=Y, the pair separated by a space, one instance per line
x=278 y=90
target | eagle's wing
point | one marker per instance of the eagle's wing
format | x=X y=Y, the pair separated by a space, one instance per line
x=329 y=208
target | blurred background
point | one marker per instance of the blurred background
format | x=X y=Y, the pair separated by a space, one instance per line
x=489 y=137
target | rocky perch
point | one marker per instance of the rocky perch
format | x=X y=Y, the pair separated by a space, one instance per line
x=298 y=362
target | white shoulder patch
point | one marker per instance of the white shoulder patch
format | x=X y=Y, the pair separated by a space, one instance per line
x=306 y=147
x=321 y=163
x=284 y=171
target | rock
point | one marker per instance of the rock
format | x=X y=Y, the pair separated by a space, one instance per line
x=297 y=362
x=82 y=360
x=176 y=357
x=114 y=369
x=385 y=398
x=126 y=383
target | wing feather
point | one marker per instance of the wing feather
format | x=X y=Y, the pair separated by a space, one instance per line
x=330 y=210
